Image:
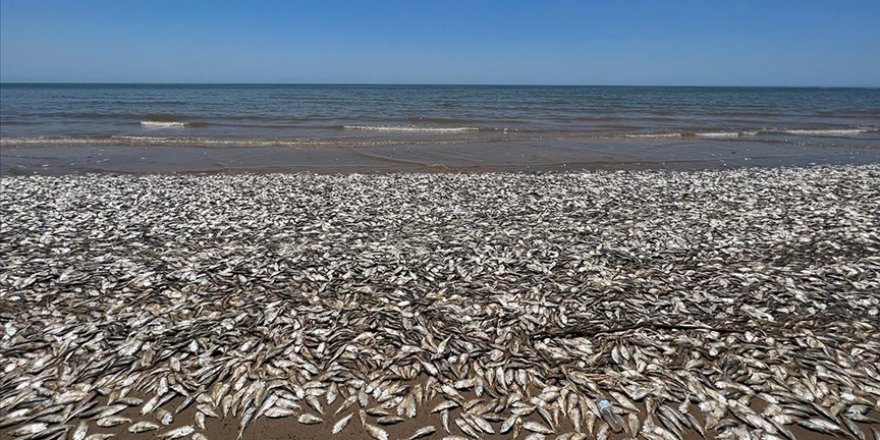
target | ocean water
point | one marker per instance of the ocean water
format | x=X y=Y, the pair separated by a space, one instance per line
x=481 y=117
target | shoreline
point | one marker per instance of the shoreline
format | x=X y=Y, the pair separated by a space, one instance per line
x=738 y=302
x=480 y=157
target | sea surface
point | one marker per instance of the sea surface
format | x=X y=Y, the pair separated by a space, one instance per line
x=103 y=127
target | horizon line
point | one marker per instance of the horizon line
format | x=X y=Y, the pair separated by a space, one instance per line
x=428 y=84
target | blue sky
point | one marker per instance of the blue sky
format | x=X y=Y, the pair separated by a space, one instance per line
x=663 y=42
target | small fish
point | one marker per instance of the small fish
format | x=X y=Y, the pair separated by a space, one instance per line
x=183 y=431
x=341 y=424
x=142 y=427
x=389 y=420
x=466 y=427
x=70 y=397
x=200 y=420
x=820 y=425
x=131 y=401
x=31 y=428
x=315 y=404
x=507 y=424
x=82 y=429
x=537 y=427
x=207 y=410
x=277 y=412
x=854 y=428
x=347 y=403
x=603 y=430
x=484 y=425
x=309 y=419
x=376 y=432
x=332 y=392
x=109 y=422
x=164 y=416
x=111 y=410
x=422 y=432
x=446 y=404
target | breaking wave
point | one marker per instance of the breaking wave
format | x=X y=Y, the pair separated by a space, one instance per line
x=172 y=124
x=181 y=141
x=689 y=134
x=410 y=129
x=653 y=135
x=163 y=124
x=390 y=139
x=166 y=120
x=748 y=133
x=725 y=134
x=830 y=131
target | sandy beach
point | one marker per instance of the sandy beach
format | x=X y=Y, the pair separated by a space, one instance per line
x=730 y=304
x=439 y=220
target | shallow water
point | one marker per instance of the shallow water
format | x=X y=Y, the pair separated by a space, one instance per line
x=450 y=126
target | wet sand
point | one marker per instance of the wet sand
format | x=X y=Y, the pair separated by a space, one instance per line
x=677 y=154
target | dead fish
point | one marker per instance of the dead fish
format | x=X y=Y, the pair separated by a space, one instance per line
x=207 y=410
x=111 y=410
x=341 y=424
x=446 y=404
x=315 y=404
x=182 y=431
x=481 y=423
x=29 y=429
x=309 y=419
x=276 y=412
x=82 y=429
x=164 y=416
x=108 y=422
x=142 y=427
x=70 y=397
x=422 y=432
x=466 y=428
x=376 y=432
x=507 y=424
x=200 y=420
x=853 y=428
x=820 y=425
x=537 y=427
x=603 y=431
x=389 y=420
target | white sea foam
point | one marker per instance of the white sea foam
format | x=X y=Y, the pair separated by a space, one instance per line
x=146 y=141
x=156 y=140
x=163 y=124
x=654 y=135
x=829 y=132
x=725 y=134
x=409 y=128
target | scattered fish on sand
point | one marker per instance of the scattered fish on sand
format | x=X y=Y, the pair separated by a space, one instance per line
x=732 y=304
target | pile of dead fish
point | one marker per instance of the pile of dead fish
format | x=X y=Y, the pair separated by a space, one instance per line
x=730 y=304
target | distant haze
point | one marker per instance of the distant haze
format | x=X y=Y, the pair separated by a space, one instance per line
x=695 y=42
